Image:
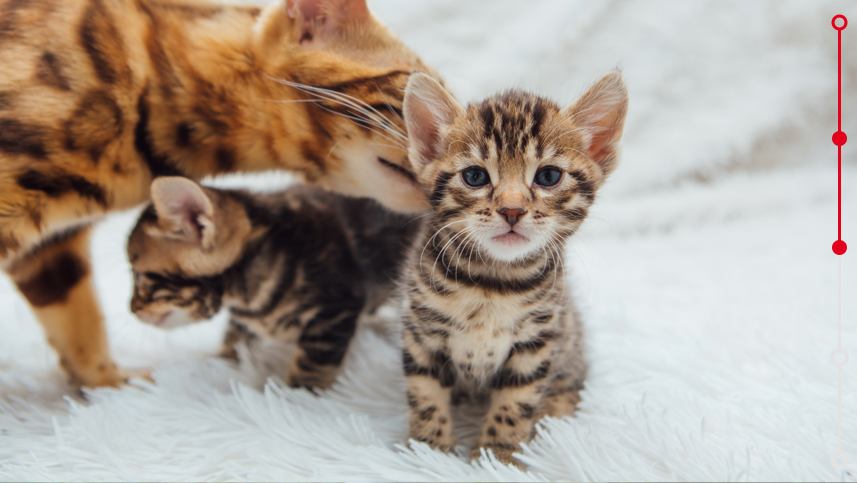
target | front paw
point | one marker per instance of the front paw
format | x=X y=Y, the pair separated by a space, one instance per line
x=438 y=439
x=432 y=425
x=322 y=378
x=105 y=375
x=504 y=454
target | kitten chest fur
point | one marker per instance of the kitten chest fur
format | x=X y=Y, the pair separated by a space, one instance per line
x=483 y=327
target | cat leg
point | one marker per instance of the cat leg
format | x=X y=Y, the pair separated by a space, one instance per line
x=56 y=279
x=236 y=332
x=564 y=394
x=561 y=404
x=509 y=422
x=516 y=400
x=321 y=348
x=429 y=380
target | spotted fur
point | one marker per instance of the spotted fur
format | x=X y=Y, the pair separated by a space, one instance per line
x=98 y=97
x=294 y=267
x=488 y=310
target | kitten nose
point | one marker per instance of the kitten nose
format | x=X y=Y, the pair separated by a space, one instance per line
x=512 y=214
x=136 y=304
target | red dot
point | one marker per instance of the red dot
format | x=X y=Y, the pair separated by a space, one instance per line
x=844 y=22
x=839 y=247
x=839 y=138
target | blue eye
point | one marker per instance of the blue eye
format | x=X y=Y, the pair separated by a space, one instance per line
x=548 y=177
x=475 y=177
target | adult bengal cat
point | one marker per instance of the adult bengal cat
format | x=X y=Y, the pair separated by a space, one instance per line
x=98 y=97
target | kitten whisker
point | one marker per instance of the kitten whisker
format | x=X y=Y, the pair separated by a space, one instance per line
x=433 y=237
x=446 y=247
x=463 y=246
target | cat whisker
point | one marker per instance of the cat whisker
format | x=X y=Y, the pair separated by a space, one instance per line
x=559 y=257
x=463 y=246
x=469 y=259
x=358 y=120
x=359 y=113
x=291 y=101
x=399 y=147
x=371 y=114
x=433 y=237
x=443 y=250
x=442 y=253
x=418 y=218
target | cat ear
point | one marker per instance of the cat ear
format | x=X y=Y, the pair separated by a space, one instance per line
x=428 y=109
x=320 y=20
x=601 y=112
x=184 y=211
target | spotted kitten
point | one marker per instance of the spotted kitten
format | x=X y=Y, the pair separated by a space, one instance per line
x=295 y=266
x=488 y=313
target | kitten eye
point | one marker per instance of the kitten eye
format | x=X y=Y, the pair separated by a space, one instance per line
x=163 y=297
x=548 y=177
x=475 y=177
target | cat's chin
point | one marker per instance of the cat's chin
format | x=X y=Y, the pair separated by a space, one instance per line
x=167 y=320
x=509 y=247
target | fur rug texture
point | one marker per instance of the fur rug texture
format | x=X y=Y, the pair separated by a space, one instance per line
x=705 y=276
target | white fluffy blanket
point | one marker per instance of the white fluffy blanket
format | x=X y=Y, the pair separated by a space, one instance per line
x=705 y=274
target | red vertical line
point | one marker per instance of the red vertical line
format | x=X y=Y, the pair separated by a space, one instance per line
x=839 y=113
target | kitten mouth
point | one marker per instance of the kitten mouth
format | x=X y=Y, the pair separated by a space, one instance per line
x=159 y=321
x=398 y=169
x=511 y=238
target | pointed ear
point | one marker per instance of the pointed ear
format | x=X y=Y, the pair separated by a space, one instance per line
x=428 y=110
x=184 y=211
x=601 y=112
x=319 y=21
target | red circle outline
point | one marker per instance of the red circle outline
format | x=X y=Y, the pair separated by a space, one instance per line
x=833 y=22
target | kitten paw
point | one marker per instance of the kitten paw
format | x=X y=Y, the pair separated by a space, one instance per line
x=504 y=454
x=228 y=353
x=312 y=380
x=445 y=444
x=106 y=375
x=563 y=404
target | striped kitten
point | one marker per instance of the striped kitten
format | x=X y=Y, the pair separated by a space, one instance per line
x=488 y=314
x=291 y=266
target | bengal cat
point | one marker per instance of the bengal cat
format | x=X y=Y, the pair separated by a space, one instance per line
x=98 y=97
x=488 y=310
x=295 y=266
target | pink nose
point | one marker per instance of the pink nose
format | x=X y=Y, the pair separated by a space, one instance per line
x=512 y=214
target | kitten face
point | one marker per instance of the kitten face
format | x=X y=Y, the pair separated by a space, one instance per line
x=515 y=174
x=179 y=248
x=169 y=301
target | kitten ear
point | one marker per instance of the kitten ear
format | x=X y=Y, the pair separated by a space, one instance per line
x=184 y=211
x=320 y=20
x=601 y=112
x=428 y=109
